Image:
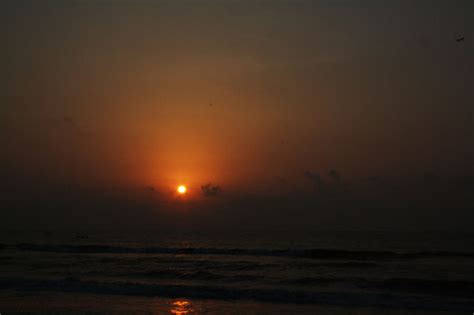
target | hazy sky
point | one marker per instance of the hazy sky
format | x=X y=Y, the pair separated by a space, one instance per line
x=103 y=100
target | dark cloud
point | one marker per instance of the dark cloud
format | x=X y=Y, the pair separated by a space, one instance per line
x=151 y=189
x=315 y=179
x=338 y=183
x=210 y=190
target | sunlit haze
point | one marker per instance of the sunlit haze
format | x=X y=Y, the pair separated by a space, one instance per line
x=262 y=107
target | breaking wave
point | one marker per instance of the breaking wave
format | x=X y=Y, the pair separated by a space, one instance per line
x=333 y=254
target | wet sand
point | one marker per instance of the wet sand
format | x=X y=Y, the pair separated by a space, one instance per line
x=66 y=303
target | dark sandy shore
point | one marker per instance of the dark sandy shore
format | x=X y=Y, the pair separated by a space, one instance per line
x=66 y=303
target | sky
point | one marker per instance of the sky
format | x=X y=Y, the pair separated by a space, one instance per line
x=275 y=114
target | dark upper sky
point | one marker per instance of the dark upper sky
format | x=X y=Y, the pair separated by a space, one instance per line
x=300 y=111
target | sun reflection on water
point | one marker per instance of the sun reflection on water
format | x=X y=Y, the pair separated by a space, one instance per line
x=181 y=307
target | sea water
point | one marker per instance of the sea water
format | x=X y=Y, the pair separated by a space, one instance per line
x=180 y=272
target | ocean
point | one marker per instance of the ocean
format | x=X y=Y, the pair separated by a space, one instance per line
x=277 y=272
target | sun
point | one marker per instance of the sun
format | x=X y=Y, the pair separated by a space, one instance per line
x=181 y=189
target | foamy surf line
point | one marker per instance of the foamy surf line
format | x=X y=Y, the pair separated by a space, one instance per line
x=296 y=253
x=351 y=299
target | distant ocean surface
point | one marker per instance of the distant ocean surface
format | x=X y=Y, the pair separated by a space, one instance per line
x=289 y=272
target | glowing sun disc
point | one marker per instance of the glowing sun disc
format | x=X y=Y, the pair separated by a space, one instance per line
x=181 y=189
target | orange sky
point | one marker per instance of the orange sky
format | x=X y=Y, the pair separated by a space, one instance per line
x=244 y=95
